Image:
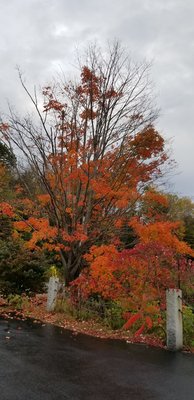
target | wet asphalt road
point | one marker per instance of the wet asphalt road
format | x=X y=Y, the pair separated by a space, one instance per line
x=47 y=363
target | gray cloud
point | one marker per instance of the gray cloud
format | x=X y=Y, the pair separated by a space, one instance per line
x=41 y=36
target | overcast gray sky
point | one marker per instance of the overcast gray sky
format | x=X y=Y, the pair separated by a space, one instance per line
x=41 y=36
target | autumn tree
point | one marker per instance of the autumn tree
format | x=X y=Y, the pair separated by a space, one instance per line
x=93 y=149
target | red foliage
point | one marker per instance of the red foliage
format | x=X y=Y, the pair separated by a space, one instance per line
x=132 y=320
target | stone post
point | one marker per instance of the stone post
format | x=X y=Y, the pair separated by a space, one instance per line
x=52 y=293
x=174 y=320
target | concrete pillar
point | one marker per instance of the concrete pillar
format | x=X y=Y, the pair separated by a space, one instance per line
x=174 y=320
x=52 y=293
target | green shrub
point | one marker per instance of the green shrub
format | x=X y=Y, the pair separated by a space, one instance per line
x=188 y=326
x=109 y=313
x=81 y=312
x=21 y=270
x=64 y=306
x=113 y=315
x=17 y=301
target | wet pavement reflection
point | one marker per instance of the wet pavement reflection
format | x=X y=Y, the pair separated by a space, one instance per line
x=44 y=362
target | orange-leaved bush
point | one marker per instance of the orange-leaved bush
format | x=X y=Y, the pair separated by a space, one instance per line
x=138 y=278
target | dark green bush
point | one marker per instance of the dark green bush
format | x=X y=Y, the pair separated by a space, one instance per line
x=21 y=270
x=188 y=326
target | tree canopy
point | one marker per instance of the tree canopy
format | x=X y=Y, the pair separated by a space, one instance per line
x=93 y=152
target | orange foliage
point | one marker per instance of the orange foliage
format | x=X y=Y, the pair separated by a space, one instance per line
x=139 y=277
x=6 y=209
x=162 y=233
x=22 y=226
x=44 y=199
